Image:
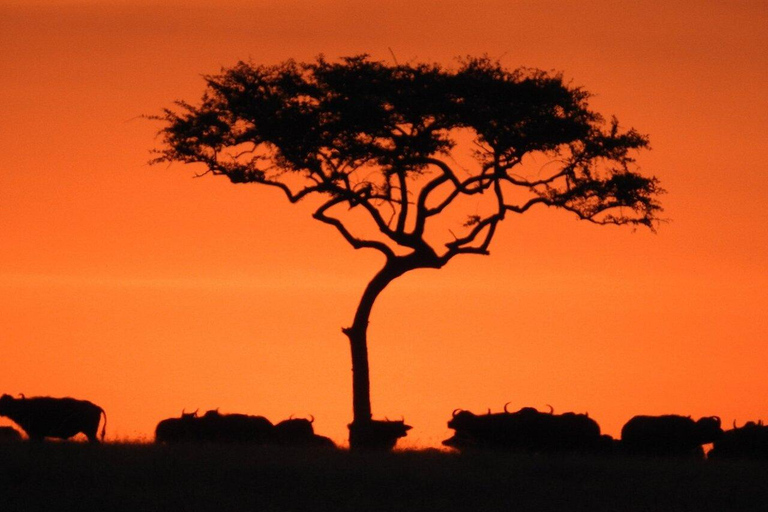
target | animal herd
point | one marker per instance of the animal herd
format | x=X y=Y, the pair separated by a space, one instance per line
x=529 y=430
x=214 y=427
x=526 y=430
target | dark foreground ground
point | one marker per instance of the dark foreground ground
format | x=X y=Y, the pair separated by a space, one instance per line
x=141 y=477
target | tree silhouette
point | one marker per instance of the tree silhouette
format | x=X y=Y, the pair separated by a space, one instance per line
x=396 y=153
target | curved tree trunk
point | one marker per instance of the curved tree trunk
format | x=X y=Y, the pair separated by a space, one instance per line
x=365 y=433
x=358 y=341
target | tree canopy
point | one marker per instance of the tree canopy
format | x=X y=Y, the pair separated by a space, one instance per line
x=385 y=141
x=378 y=137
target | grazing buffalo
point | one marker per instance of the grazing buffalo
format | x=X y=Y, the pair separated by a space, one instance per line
x=747 y=442
x=214 y=427
x=669 y=435
x=42 y=417
x=526 y=430
x=376 y=435
x=9 y=435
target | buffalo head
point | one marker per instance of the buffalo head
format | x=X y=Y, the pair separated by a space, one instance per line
x=709 y=429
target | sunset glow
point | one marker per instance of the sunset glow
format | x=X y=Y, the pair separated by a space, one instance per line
x=148 y=291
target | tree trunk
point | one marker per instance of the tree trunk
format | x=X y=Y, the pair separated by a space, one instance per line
x=358 y=340
x=364 y=433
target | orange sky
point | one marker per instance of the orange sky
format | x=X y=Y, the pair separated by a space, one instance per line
x=148 y=291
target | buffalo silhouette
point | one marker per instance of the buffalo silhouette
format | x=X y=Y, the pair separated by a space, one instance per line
x=669 y=435
x=376 y=435
x=62 y=418
x=214 y=427
x=749 y=441
x=526 y=430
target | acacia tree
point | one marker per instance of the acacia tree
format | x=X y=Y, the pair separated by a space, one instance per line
x=380 y=142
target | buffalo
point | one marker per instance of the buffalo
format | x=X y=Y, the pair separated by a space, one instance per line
x=376 y=435
x=214 y=427
x=299 y=432
x=526 y=430
x=62 y=418
x=747 y=442
x=669 y=435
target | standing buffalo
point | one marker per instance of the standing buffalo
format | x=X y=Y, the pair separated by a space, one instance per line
x=747 y=442
x=42 y=417
x=526 y=430
x=669 y=435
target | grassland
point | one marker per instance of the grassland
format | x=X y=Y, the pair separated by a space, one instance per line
x=144 y=477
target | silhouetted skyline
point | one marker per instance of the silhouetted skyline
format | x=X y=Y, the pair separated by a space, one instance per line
x=195 y=293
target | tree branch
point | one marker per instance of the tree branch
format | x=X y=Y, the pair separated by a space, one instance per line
x=351 y=239
x=455 y=246
x=403 y=216
x=527 y=205
x=459 y=246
